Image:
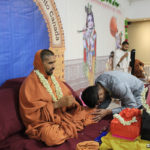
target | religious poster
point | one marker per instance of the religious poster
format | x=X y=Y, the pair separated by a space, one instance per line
x=114 y=30
x=89 y=45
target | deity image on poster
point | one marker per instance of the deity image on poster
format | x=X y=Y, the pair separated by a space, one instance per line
x=115 y=33
x=89 y=44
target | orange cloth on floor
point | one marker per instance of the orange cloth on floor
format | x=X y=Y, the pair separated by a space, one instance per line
x=42 y=122
x=88 y=145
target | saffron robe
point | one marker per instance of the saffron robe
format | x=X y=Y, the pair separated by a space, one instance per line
x=42 y=121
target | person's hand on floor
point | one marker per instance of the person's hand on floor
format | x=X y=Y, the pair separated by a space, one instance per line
x=100 y=113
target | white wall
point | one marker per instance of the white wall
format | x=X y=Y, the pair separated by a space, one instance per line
x=125 y=6
x=138 y=9
x=73 y=17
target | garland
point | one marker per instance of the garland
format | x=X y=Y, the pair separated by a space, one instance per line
x=123 y=122
x=145 y=105
x=112 y=2
x=45 y=83
x=126 y=30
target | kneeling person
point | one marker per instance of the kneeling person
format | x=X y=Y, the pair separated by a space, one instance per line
x=113 y=84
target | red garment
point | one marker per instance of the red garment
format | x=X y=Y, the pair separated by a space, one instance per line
x=127 y=131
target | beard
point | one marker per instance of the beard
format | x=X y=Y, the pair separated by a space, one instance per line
x=50 y=72
x=124 y=49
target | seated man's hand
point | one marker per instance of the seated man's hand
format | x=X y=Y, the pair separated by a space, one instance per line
x=100 y=113
x=69 y=101
x=65 y=101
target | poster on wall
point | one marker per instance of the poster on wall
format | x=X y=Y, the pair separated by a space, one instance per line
x=114 y=30
x=109 y=22
x=101 y=35
x=89 y=45
x=117 y=35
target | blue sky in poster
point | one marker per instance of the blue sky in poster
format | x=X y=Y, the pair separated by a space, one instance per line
x=23 y=31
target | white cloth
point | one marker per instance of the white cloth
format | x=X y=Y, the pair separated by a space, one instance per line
x=124 y=65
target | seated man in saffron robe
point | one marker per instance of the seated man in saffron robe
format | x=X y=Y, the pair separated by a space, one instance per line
x=49 y=111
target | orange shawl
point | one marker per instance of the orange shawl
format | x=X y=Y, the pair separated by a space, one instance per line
x=42 y=122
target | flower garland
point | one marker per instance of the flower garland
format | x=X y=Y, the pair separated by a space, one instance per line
x=45 y=83
x=145 y=105
x=123 y=122
x=126 y=30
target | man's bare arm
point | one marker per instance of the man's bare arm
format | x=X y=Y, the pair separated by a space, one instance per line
x=122 y=58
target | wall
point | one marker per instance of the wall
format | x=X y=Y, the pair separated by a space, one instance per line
x=138 y=9
x=20 y=41
x=139 y=39
x=76 y=77
x=139 y=31
x=73 y=17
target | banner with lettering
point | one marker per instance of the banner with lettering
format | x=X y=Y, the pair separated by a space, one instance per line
x=56 y=34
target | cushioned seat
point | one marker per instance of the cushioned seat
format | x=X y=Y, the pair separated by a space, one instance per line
x=20 y=141
x=12 y=135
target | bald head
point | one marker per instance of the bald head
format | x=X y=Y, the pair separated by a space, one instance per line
x=44 y=53
x=48 y=60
